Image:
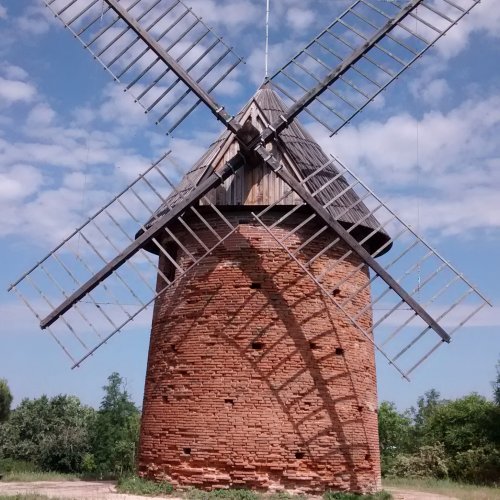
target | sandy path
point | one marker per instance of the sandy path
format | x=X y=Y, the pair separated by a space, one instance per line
x=103 y=490
x=96 y=490
x=401 y=494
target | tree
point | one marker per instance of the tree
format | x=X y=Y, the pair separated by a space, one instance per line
x=52 y=433
x=116 y=431
x=462 y=424
x=394 y=434
x=496 y=386
x=5 y=400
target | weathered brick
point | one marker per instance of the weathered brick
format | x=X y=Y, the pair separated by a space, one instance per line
x=270 y=387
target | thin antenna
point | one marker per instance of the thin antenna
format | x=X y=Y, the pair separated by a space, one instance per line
x=267 y=40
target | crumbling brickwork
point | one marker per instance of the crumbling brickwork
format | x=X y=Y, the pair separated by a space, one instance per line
x=255 y=379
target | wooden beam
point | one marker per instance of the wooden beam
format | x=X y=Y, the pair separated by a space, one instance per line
x=216 y=109
x=211 y=182
x=350 y=241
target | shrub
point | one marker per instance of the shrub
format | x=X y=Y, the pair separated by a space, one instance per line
x=479 y=465
x=429 y=461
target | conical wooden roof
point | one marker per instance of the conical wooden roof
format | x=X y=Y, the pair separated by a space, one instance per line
x=255 y=184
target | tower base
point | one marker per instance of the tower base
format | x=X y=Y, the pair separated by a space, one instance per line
x=257 y=380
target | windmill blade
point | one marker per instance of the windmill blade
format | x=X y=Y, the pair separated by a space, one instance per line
x=163 y=54
x=428 y=293
x=357 y=56
x=123 y=292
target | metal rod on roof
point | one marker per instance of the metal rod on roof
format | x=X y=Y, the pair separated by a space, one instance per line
x=266 y=69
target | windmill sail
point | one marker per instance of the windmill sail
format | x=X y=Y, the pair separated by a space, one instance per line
x=123 y=294
x=424 y=285
x=338 y=73
x=106 y=284
x=134 y=41
x=426 y=278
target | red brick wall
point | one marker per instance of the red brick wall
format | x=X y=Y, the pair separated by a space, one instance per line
x=268 y=387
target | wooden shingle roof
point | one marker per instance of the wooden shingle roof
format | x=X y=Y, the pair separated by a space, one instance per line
x=255 y=184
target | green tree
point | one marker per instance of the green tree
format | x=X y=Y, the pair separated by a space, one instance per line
x=462 y=424
x=5 y=400
x=52 y=433
x=116 y=431
x=496 y=386
x=395 y=431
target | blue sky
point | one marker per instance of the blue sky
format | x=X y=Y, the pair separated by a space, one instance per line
x=67 y=133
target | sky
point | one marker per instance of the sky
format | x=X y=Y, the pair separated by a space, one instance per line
x=70 y=138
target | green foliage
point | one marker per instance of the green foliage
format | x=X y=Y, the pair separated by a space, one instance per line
x=62 y=435
x=51 y=433
x=5 y=400
x=138 y=486
x=496 y=386
x=284 y=495
x=445 y=487
x=460 y=438
x=395 y=433
x=461 y=425
x=12 y=466
x=429 y=461
x=115 y=433
x=339 y=495
x=477 y=465
x=427 y=405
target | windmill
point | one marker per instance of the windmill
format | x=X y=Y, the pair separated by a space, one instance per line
x=279 y=272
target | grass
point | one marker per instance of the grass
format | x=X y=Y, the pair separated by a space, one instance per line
x=26 y=472
x=230 y=494
x=446 y=487
x=339 y=495
x=29 y=477
x=138 y=486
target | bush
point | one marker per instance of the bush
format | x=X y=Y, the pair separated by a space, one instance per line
x=429 y=461
x=52 y=433
x=480 y=465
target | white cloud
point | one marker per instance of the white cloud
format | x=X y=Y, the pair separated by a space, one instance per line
x=12 y=91
x=19 y=182
x=35 y=20
x=40 y=115
x=299 y=18
x=3 y=12
x=13 y=72
x=432 y=93
x=233 y=14
x=453 y=165
x=485 y=17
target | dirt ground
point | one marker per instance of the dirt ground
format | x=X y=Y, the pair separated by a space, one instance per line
x=400 y=494
x=101 y=490
x=95 y=490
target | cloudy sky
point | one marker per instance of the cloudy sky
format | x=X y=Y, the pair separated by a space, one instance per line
x=70 y=138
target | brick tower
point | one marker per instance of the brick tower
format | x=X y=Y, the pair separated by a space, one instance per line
x=254 y=379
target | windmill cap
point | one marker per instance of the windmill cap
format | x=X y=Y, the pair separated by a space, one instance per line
x=300 y=154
